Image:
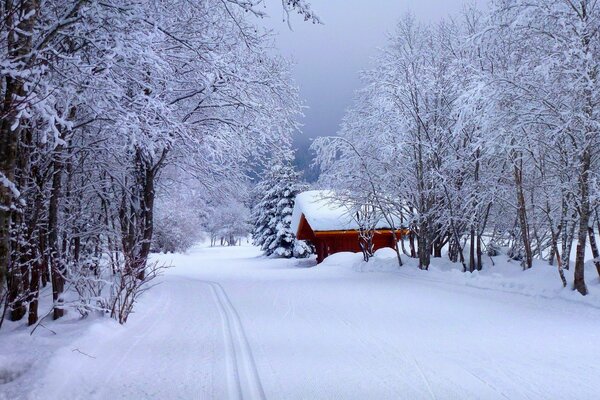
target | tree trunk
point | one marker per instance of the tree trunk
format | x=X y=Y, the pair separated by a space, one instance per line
x=438 y=245
x=590 y=145
x=24 y=220
x=479 y=253
x=15 y=294
x=566 y=231
x=522 y=213
x=44 y=266
x=411 y=243
x=34 y=294
x=147 y=219
x=452 y=251
x=561 y=273
x=19 y=42
x=594 y=247
x=568 y=245
x=472 y=250
x=8 y=160
x=37 y=251
x=424 y=246
x=403 y=246
x=55 y=261
x=584 y=219
x=397 y=249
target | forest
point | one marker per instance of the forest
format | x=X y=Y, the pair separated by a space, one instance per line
x=159 y=240
x=118 y=120
x=480 y=133
x=126 y=127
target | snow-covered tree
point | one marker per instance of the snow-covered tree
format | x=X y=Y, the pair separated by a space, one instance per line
x=476 y=127
x=227 y=222
x=102 y=98
x=272 y=214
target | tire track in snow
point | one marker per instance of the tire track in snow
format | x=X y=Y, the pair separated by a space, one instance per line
x=243 y=379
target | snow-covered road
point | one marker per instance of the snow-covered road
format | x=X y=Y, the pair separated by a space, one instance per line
x=227 y=323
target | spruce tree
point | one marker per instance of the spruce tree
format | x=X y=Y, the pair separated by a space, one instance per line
x=273 y=213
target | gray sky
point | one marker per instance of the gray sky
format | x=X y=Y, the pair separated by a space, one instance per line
x=329 y=57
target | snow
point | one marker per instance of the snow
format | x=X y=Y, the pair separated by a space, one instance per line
x=324 y=213
x=4 y=181
x=541 y=281
x=227 y=322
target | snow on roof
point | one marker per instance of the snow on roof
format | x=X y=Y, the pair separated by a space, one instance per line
x=324 y=213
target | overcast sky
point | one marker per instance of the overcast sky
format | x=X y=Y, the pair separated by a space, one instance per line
x=328 y=57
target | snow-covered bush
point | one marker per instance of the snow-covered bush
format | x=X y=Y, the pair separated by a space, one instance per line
x=177 y=225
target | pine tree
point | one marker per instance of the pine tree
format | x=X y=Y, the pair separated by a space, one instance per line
x=273 y=213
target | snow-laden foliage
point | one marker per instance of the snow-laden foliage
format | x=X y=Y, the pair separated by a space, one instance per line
x=228 y=222
x=272 y=213
x=482 y=129
x=100 y=99
x=180 y=213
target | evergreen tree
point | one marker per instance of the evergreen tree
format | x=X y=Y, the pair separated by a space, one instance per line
x=272 y=214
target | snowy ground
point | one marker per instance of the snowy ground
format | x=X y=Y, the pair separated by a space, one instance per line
x=228 y=323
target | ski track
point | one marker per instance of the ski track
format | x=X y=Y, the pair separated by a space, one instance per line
x=243 y=379
x=326 y=333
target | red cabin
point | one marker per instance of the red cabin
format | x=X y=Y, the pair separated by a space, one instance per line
x=330 y=226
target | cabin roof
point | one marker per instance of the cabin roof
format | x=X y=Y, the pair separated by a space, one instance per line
x=324 y=213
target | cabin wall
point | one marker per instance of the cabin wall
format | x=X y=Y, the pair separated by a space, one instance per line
x=331 y=243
